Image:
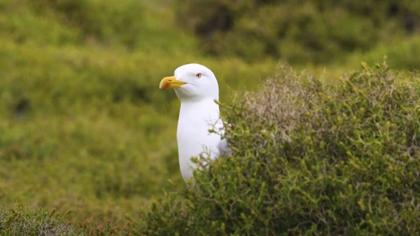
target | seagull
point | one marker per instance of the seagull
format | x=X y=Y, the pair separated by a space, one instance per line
x=198 y=91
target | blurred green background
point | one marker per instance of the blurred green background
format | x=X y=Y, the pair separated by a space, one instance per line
x=85 y=130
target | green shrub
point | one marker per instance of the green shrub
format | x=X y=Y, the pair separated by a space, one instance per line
x=22 y=25
x=401 y=54
x=110 y=21
x=299 y=31
x=19 y=222
x=309 y=158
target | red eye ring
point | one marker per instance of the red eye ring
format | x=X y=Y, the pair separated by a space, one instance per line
x=198 y=75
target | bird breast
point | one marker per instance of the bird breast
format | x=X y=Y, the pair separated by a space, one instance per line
x=193 y=136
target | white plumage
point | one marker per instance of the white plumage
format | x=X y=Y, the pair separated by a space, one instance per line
x=197 y=89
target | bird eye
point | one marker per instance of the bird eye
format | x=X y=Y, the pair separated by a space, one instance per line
x=198 y=75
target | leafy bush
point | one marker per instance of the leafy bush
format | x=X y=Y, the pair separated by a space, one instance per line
x=118 y=21
x=402 y=54
x=310 y=159
x=30 y=223
x=299 y=31
x=127 y=24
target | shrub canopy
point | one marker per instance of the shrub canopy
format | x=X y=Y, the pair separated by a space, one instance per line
x=310 y=158
x=299 y=31
x=22 y=222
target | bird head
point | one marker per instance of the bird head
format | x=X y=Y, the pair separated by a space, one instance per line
x=192 y=82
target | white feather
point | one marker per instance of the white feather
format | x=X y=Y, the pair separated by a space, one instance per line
x=199 y=113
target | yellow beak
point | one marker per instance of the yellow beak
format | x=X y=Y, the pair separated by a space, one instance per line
x=170 y=82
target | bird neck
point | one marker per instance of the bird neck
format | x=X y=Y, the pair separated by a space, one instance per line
x=205 y=110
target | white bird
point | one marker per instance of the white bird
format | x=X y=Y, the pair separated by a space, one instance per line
x=198 y=91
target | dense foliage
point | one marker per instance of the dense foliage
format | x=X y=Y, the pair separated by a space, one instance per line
x=299 y=31
x=14 y=222
x=342 y=160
